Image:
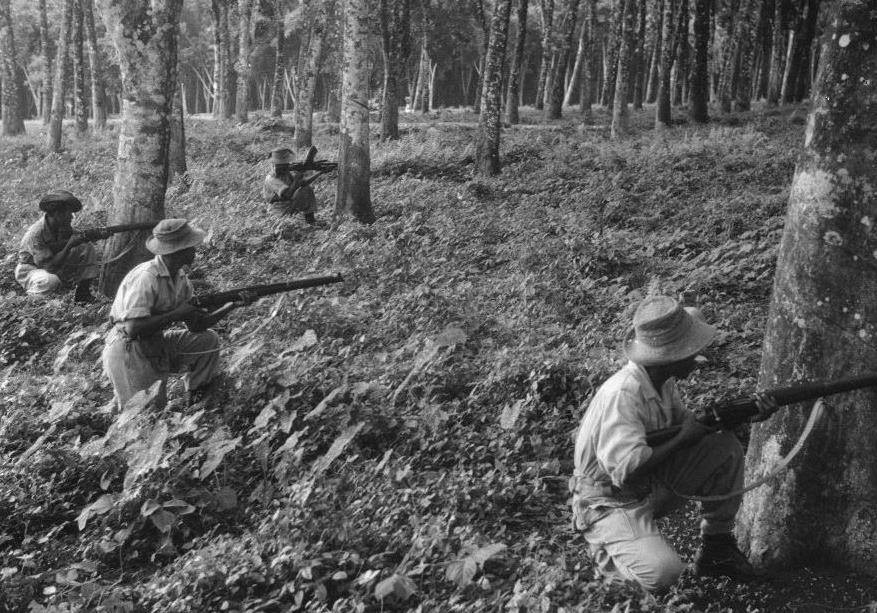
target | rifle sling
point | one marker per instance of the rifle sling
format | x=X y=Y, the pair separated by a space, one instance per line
x=781 y=466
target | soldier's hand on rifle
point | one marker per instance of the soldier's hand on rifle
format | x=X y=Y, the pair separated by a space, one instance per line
x=767 y=406
x=245 y=298
x=76 y=239
x=692 y=430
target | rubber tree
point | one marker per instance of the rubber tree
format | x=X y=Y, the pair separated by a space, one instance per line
x=13 y=114
x=395 y=17
x=145 y=35
x=46 y=50
x=77 y=48
x=353 y=193
x=307 y=69
x=663 y=114
x=59 y=79
x=822 y=322
x=620 y=111
x=555 y=100
x=547 y=13
x=277 y=91
x=700 y=89
x=98 y=93
x=515 y=74
x=243 y=65
x=487 y=141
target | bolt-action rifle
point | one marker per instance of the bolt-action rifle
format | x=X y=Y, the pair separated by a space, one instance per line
x=210 y=301
x=733 y=413
x=89 y=235
x=311 y=164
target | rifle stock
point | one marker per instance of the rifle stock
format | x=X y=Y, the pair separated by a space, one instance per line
x=217 y=299
x=738 y=411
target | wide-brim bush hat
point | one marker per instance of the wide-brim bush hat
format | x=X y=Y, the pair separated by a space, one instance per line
x=282 y=156
x=172 y=235
x=664 y=332
x=57 y=199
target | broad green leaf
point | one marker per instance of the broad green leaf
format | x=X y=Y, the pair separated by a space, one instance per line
x=398 y=585
x=145 y=457
x=485 y=553
x=149 y=507
x=98 y=507
x=216 y=450
x=337 y=448
x=510 y=414
x=163 y=520
x=462 y=571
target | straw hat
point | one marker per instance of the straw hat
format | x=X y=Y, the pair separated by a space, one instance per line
x=60 y=198
x=282 y=156
x=172 y=235
x=665 y=332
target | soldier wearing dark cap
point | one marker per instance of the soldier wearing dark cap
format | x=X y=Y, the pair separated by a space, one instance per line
x=52 y=255
x=284 y=189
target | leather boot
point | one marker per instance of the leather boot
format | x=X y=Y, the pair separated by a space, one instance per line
x=83 y=294
x=719 y=555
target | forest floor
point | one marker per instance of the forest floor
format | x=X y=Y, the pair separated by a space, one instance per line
x=402 y=440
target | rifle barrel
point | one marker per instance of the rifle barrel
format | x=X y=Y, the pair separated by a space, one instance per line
x=220 y=298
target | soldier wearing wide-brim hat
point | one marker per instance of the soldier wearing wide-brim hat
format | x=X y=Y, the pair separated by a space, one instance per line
x=621 y=484
x=142 y=347
x=52 y=256
x=284 y=189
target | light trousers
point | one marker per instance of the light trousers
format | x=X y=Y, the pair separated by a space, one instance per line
x=81 y=264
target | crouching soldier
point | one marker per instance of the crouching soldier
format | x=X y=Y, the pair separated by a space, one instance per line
x=286 y=190
x=52 y=255
x=620 y=484
x=140 y=349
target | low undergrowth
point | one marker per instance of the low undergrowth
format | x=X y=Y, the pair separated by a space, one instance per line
x=401 y=440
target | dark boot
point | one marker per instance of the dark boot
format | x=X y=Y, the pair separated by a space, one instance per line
x=83 y=294
x=309 y=217
x=719 y=556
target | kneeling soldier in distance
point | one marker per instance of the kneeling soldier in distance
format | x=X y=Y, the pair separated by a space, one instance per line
x=139 y=349
x=52 y=255
x=621 y=484
x=286 y=190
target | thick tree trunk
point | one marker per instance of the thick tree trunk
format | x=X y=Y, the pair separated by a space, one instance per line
x=555 y=107
x=620 y=111
x=80 y=99
x=396 y=40
x=681 y=63
x=306 y=77
x=547 y=12
x=60 y=79
x=612 y=44
x=46 y=52
x=487 y=144
x=822 y=324
x=774 y=80
x=98 y=92
x=353 y=195
x=700 y=92
x=277 y=93
x=13 y=110
x=515 y=74
x=663 y=116
x=145 y=38
x=243 y=66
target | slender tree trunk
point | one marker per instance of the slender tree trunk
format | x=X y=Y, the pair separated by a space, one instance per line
x=700 y=92
x=306 y=77
x=177 y=151
x=487 y=145
x=662 y=109
x=145 y=37
x=396 y=39
x=60 y=79
x=614 y=41
x=79 y=96
x=279 y=60
x=13 y=109
x=555 y=109
x=746 y=31
x=575 y=75
x=639 y=58
x=46 y=53
x=353 y=195
x=654 y=69
x=98 y=92
x=805 y=53
x=220 y=34
x=787 y=72
x=589 y=78
x=821 y=509
x=774 y=81
x=515 y=75
x=243 y=67
x=681 y=64
x=230 y=50
x=547 y=12
x=481 y=17
x=620 y=111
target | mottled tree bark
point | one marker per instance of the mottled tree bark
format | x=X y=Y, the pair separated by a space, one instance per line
x=700 y=92
x=487 y=144
x=219 y=19
x=396 y=39
x=589 y=78
x=13 y=113
x=515 y=74
x=555 y=107
x=655 y=67
x=46 y=53
x=822 y=323
x=306 y=76
x=177 y=150
x=145 y=37
x=774 y=80
x=353 y=194
x=662 y=108
x=682 y=62
x=243 y=66
x=639 y=67
x=547 y=13
x=747 y=45
x=614 y=40
x=80 y=99
x=484 y=27
x=60 y=79
x=98 y=91
x=620 y=111
x=739 y=45
x=277 y=92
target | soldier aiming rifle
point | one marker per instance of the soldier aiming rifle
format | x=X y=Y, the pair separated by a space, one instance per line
x=287 y=190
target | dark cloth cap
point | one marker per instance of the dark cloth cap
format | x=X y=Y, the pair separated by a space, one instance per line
x=282 y=156
x=60 y=198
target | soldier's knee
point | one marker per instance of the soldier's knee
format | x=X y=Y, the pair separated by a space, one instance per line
x=660 y=571
x=41 y=282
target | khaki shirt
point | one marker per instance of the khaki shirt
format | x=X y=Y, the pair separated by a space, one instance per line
x=274 y=185
x=36 y=248
x=149 y=290
x=611 y=442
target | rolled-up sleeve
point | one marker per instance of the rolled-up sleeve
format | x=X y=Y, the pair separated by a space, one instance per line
x=621 y=445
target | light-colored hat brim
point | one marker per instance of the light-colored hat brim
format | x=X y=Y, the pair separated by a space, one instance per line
x=698 y=338
x=193 y=238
